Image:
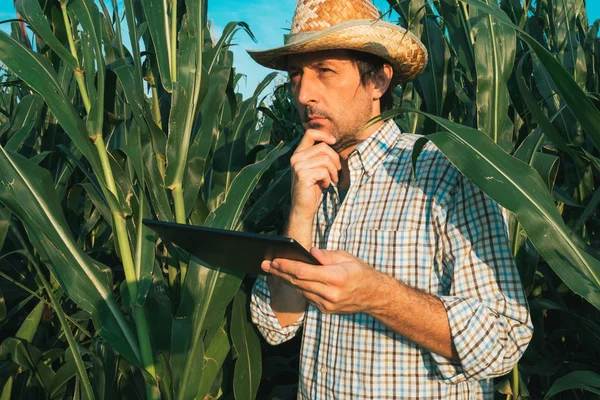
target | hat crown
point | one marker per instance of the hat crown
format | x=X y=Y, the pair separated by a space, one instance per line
x=318 y=15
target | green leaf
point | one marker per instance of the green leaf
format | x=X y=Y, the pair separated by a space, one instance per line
x=227 y=215
x=25 y=118
x=27 y=190
x=578 y=102
x=29 y=358
x=7 y=389
x=230 y=151
x=32 y=322
x=2 y=306
x=134 y=93
x=248 y=366
x=159 y=310
x=538 y=114
x=186 y=341
x=158 y=25
x=212 y=54
x=207 y=291
x=104 y=369
x=91 y=21
x=62 y=377
x=33 y=14
x=546 y=166
x=584 y=380
x=495 y=48
x=434 y=82
x=562 y=15
x=202 y=142
x=518 y=188
x=183 y=106
x=4 y=226
x=459 y=30
x=37 y=72
x=214 y=357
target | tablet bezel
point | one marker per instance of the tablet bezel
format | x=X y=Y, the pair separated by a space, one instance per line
x=217 y=252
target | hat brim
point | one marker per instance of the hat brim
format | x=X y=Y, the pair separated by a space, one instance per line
x=401 y=48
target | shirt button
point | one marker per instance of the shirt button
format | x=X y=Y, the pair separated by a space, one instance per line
x=323 y=370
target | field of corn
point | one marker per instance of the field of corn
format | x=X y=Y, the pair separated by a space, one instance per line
x=96 y=135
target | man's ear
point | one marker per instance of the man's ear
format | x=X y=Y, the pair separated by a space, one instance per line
x=382 y=80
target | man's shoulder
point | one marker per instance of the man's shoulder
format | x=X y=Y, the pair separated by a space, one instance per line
x=429 y=155
x=429 y=169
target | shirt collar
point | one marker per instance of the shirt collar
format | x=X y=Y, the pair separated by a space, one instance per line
x=371 y=152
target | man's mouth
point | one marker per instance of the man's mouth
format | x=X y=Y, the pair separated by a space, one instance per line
x=316 y=118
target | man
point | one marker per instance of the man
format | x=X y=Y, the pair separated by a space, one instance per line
x=418 y=295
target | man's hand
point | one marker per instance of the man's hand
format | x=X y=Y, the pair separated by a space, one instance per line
x=314 y=166
x=344 y=284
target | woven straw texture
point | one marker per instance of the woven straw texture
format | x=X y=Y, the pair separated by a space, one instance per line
x=316 y=15
x=355 y=25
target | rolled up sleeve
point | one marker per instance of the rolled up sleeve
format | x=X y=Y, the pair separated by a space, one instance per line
x=486 y=307
x=264 y=317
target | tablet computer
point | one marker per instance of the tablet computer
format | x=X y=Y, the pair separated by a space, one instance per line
x=230 y=250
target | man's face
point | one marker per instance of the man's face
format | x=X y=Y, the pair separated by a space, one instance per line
x=329 y=95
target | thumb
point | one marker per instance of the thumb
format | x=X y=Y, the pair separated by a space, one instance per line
x=328 y=257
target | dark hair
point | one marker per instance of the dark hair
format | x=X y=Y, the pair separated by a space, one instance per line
x=369 y=65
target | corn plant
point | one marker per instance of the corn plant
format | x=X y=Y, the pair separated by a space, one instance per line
x=510 y=96
x=99 y=131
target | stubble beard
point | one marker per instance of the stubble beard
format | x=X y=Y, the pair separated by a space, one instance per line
x=346 y=137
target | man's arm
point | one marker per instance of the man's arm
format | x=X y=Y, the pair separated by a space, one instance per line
x=287 y=304
x=314 y=166
x=348 y=285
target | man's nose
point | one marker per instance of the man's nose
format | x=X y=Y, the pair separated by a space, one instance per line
x=307 y=90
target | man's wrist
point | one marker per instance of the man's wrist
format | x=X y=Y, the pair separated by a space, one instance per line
x=381 y=290
x=301 y=217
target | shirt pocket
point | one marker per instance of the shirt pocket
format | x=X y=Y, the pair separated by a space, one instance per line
x=405 y=255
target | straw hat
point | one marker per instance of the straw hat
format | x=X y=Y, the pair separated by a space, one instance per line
x=353 y=25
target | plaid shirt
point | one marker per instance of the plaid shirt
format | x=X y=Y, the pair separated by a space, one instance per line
x=438 y=233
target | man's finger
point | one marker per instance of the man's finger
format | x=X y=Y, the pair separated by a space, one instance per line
x=296 y=272
x=304 y=169
x=312 y=136
x=316 y=151
x=328 y=257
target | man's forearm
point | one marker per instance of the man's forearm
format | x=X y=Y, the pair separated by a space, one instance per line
x=418 y=316
x=287 y=304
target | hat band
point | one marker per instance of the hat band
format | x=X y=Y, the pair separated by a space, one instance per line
x=303 y=36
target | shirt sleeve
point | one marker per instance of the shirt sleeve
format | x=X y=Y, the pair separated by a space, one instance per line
x=487 y=309
x=264 y=317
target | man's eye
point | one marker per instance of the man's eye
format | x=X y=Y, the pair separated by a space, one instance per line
x=325 y=70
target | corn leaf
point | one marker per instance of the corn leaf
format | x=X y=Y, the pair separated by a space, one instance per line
x=495 y=48
x=247 y=373
x=158 y=26
x=206 y=291
x=517 y=187
x=27 y=190
x=25 y=118
x=33 y=14
x=578 y=102
x=584 y=380
x=39 y=74
x=183 y=106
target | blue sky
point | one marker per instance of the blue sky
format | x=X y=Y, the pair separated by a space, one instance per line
x=268 y=20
